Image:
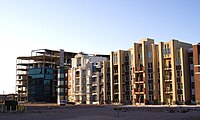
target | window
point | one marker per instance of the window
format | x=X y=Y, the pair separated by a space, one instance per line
x=141 y=77
x=168 y=50
x=94 y=98
x=150 y=86
x=178 y=73
x=127 y=98
x=179 y=85
x=150 y=65
x=115 y=59
x=127 y=68
x=179 y=97
x=126 y=58
x=150 y=97
x=127 y=77
x=191 y=72
x=150 y=76
x=139 y=56
x=192 y=85
x=191 y=60
x=149 y=54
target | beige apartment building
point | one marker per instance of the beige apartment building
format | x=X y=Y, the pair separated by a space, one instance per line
x=151 y=73
x=88 y=80
x=119 y=77
x=144 y=72
x=174 y=72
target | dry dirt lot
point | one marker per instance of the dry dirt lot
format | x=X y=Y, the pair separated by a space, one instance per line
x=103 y=113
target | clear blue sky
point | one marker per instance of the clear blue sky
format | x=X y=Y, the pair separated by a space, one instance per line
x=91 y=26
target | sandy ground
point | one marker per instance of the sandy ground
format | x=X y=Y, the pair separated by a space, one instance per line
x=103 y=113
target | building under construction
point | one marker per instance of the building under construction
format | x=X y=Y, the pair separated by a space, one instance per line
x=38 y=76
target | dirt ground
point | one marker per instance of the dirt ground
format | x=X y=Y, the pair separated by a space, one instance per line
x=103 y=113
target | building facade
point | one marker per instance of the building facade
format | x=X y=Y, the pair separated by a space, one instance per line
x=196 y=55
x=120 y=78
x=88 y=79
x=37 y=75
x=156 y=73
x=144 y=72
x=174 y=72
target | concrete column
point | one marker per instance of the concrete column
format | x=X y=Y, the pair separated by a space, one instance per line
x=119 y=75
x=134 y=65
x=111 y=76
x=160 y=49
x=173 y=62
x=80 y=83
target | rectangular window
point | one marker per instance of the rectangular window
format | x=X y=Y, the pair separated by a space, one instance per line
x=191 y=72
x=178 y=73
x=191 y=60
x=150 y=76
x=150 y=97
x=179 y=97
x=179 y=86
x=164 y=50
x=139 y=56
x=150 y=65
x=150 y=86
x=149 y=54
x=192 y=85
x=168 y=50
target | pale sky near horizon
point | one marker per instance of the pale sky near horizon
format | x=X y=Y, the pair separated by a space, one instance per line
x=91 y=26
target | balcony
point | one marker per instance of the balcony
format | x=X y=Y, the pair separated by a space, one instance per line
x=23 y=84
x=116 y=81
x=139 y=69
x=167 y=56
x=22 y=69
x=139 y=90
x=94 y=91
x=116 y=90
x=139 y=80
x=115 y=72
x=22 y=78
x=94 y=82
x=168 y=79
x=77 y=75
x=168 y=67
x=77 y=82
x=168 y=91
x=197 y=69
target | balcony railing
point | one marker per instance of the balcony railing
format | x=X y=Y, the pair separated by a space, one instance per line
x=77 y=75
x=197 y=67
x=116 y=90
x=94 y=82
x=139 y=89
x=168 y=79
x=116 y=81
x=141 y=68
x=168 y=67
x=168 y=91
x=139 y=79
x=94 y=91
